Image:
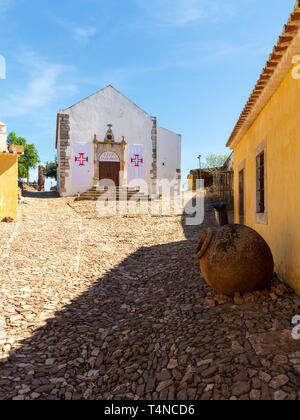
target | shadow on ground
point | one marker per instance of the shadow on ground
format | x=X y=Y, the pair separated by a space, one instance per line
x=143 y=331
x=36 y=194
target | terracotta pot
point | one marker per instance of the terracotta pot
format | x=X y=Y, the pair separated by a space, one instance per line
x=235 y=259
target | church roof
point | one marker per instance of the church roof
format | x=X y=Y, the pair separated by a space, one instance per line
x=277 y=66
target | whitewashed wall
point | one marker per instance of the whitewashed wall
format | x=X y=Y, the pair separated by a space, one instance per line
x=109 y=106
x=169 y=154
x=3 y=137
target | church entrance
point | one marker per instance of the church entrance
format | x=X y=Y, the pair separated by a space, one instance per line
x=109 y=167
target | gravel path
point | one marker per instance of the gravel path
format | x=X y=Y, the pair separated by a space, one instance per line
x=115 y=308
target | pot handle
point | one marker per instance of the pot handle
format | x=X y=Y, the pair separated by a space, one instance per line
x=204 y=243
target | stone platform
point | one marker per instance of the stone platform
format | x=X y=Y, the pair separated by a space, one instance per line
x=118 y=194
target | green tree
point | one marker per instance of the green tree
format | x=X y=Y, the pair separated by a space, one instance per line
x=215 y=162
x=51 y=169
x=29 y=160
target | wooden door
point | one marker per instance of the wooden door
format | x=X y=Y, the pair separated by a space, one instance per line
x=110 y=170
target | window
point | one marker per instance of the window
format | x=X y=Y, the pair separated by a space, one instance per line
x=242 y=196
x=261 y=183
x=260 y=167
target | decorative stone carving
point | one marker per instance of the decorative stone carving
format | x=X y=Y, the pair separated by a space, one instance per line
x=109 y=134
x=109 y=146
x=109 y=157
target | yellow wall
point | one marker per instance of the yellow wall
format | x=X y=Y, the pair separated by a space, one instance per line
x=8 y=186
x=191 y=182
x=279 y=125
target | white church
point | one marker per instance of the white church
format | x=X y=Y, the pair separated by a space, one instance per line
x=108 y=137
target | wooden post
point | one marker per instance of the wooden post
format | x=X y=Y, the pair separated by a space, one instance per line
x=221 y=214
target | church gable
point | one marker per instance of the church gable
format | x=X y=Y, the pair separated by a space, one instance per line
x=108 y=122
x=109 y=93
x=108 y=106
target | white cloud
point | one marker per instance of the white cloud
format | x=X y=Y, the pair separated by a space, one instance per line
x=187 y=56
x=44 y=86
x=79 y=33
x=194 y=54
x=83 y=34
x=185 y=12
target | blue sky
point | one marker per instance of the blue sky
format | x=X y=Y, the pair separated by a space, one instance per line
x=191 y=63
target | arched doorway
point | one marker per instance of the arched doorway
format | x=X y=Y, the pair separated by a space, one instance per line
x=109 y=167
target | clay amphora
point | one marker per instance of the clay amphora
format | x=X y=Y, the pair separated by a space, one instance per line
x=235 y=259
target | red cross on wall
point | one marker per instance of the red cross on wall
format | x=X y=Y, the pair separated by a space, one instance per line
x=136 y=160
x=81 y=159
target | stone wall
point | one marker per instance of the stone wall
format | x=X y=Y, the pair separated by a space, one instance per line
x=64 y=143
x=41 y=178
x=207 y=176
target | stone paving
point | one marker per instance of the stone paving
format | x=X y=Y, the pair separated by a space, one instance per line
x=115 y=308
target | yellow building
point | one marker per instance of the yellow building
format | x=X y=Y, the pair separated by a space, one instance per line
x=8 y=177
x=266 y=144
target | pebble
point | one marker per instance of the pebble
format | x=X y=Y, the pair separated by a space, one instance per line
x=255 y=395
x=264 y=376
x=208 y=373
x=96 y=307
x=280 y=396
x=172 y=364
x=241 y=388
x=279 y=381
x=163 y=385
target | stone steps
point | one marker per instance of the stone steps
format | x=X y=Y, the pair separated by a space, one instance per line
x=118 y=194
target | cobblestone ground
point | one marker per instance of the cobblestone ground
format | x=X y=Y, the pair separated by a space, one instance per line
x=115 y=308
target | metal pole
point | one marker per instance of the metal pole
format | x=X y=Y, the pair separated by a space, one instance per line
x=199 y=157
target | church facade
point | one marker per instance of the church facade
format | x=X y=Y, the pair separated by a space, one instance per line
x=106 y=138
